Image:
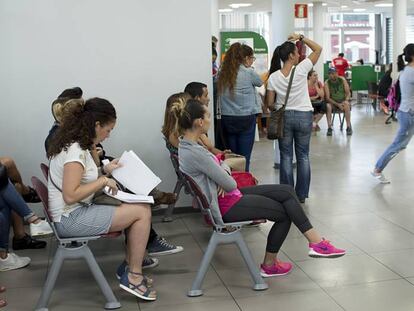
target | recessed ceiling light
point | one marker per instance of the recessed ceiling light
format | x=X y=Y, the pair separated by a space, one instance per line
x=239 y=5
x=384 y=5
x=344 y=6
x=311 y=4
x=360 y=10
x=325 y=4
x=225 y=10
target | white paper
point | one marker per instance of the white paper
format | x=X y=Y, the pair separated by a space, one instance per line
x=129 y=197
x=135 y=175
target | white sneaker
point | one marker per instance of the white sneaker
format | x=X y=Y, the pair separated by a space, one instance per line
x=42 y=228
x=12 y=262
x=381 y=178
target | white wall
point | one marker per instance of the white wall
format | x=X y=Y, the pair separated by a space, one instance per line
x=135 y=53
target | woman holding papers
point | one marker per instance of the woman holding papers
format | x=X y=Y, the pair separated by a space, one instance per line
x=277 y=203
x=73 y=181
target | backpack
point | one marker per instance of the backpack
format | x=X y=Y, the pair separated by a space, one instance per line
x=394 y=96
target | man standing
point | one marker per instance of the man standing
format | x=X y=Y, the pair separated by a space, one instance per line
x=337 y=97
x=341 y=64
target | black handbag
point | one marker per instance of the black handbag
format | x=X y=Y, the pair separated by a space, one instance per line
x=4 y=177
x=277 y=117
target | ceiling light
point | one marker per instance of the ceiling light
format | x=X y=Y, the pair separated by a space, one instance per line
x=344 y=6
x=384 y=5
x=325 y=4
x=310 y=5
x=360 y=10
x=225 y=10
x=239 y=5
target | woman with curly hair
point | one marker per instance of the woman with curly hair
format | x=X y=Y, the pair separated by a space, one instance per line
x=237 y=95
x=73 y=181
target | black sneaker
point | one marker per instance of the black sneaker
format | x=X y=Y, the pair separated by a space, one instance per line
x=31 y=196
x=27 y=242
x=329 y=132
x=349 y=131
x=159 y=246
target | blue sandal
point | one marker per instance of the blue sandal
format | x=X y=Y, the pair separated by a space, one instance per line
x=137 y=290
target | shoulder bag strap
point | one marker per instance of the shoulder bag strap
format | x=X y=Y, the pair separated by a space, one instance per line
x=51 y=180
x=289 y=86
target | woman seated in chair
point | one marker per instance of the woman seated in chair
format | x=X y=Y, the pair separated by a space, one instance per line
x=317 y=97
x=277 y=203
x=73 y=181
x=171 y=134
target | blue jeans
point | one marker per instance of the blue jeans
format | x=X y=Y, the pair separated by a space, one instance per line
x=401 y=140
x=297 y=130
x=239 y=134
x=10 y=200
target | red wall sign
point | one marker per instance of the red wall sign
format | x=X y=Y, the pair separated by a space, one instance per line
x=301 y=10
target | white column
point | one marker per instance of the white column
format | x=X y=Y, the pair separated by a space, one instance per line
x=215 y=25
x=399 y=18
x=318 y=20
x=283 y=22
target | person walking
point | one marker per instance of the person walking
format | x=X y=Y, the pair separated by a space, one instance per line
x=405 y=113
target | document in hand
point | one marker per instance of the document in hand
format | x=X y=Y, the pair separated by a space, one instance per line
x=135 y=175
x=129 y=197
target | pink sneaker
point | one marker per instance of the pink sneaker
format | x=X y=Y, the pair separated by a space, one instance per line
x=278 y=268
x=325 y=249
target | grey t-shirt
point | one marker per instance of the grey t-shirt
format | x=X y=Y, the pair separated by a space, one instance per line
x=197 y=162
x=407 y=89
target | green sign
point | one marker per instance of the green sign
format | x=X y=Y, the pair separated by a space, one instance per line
x=252 y=39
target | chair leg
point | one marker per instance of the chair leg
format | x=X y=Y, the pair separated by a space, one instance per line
x=111 y=301
x=259 y=283
x=50 y=280
x=168 y=213
x=196 y=290
x=341 y=119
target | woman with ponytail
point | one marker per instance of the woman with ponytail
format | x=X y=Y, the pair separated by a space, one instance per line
x=298 y=115
x=237 y=95
x=73 y=181
x=277 y=203
x=405 y=113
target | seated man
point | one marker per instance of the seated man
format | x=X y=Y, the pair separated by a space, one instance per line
x=337 y=96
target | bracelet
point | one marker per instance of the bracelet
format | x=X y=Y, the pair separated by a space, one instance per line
x=301 y=37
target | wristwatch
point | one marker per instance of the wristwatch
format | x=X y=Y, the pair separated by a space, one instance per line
x=301 y=37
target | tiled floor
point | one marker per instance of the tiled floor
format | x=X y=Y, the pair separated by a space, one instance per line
x=373 y=222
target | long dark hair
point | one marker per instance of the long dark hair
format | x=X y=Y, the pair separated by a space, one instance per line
x=406 y=56
x=230 y=67
x=78 y=124
x=281 y=54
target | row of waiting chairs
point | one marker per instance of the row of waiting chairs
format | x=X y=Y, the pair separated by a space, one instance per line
x=77 y=248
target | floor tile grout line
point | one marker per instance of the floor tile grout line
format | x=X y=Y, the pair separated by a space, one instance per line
x=317 y=284
x=212 y=267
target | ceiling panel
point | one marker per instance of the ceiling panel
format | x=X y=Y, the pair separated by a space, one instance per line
x=266 y=5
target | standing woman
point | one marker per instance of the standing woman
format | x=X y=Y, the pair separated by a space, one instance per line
x=298 y=115
x=237 y=94
x=405 y=113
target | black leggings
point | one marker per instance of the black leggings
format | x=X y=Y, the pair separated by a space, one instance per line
x=277 y=203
